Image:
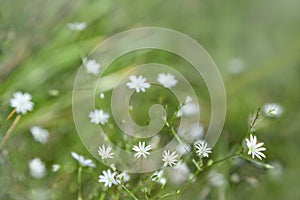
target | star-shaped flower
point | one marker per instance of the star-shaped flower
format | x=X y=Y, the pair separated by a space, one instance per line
x=104 y=152
x=22 y=102
x=108 y=178
x=82 y=161
x=255 y=148
x=141 y=150
x=202 y=149
x=169 y=158
x=167 y=80
x=138 y=83
x=98 y=117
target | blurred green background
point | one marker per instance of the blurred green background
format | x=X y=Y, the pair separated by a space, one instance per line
x=255 y=44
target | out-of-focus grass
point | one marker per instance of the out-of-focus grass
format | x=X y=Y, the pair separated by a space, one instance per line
x=38 y=54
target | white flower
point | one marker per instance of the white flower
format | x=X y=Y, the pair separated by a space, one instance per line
x=255 y=148
x=141 y=150
x=180 y=173
x=169 y=158
x=138 y=83
x=82 y=161
x=189 y=108
x=105 y=152
x=108 y=178
x=201 y=149
x=37 y=168
x=55 y=167
x=272 y=110
x=167 y=80
x=39 y=134
x=77 y=26
x=98 y=117
x=123 y=177
x=92 y=67
x=158 y=177
x=22 y=102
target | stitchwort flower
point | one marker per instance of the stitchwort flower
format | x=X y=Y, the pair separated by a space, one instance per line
x=92 y=67
x=39 y=134
x=141 y=150
x=138 y=83
x=169 y=158
x=98 y=117
x=37 y=168
x=82 y=161
x=202 y=149
x=104 y=152
x=22 y=102
x=255 y=148
x=108 y=178
x=167 y=80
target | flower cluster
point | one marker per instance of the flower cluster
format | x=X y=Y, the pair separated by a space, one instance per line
x=138 y=83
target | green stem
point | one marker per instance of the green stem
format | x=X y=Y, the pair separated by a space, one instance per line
x=79 y=182
x=175 y=135
x=130 y=193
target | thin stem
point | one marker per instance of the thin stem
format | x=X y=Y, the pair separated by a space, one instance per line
x=166 y=196
x=195 y=163
x=130 y=193
x=252 y=124
x=11 y=114
x=222 y=160
x=175 y=135
x=79 y=182
x=10 y=130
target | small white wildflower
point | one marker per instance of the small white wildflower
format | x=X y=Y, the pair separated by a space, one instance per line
x=21 y=102
x=37 y=168
x=272 y=110
x=123 y=177
x=169 y=158
x=180 y=173
x=77 y=26
x=104 y=152
x=39 y=134
x=55 y=167
x=98 y=117
x=202 y=149
x=92 y=67
x=82 y=161
x=189 y=108
x=255 y=148
x=141 y=150
x=167 y=80
x=108 y=178
x=101 y=95
x=138 y=83
x=158 y=177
